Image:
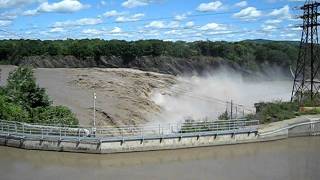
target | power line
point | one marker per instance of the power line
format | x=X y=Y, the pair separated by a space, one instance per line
x=218 y=33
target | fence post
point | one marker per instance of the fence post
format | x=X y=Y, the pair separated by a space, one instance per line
x=23 y=128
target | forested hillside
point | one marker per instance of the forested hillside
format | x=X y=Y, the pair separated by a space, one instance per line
x=155 y=55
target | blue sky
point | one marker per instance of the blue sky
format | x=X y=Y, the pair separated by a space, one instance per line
x=188 y=20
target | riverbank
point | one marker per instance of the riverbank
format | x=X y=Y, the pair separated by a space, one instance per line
x=300 y=126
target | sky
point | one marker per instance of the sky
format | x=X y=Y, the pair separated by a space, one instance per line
x=173 y=20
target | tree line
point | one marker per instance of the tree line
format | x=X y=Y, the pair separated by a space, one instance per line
x=245 y=53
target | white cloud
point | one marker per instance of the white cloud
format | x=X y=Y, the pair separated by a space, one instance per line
x=116 y=30
x=173 y=32
x=30 y=12
x=56 y=30
x=181 y=17
x=5 y=23
x=155 y=24
x=103 y=3
x=213 y=27
x=135 y=17
x=79 y=22
x=15 y=3
x=8 y=15
x=289 y=35
x=173 y=24
x=104 y=32
x=64 y=6
x=282 y=12
x=241 y=4
x=163 y=24
x=190 y=24
x=273 y=21
x=269 y=27
x=93 y=31
x=248 y=13
x=113 y=13
x=212 y=6
x=135 y=3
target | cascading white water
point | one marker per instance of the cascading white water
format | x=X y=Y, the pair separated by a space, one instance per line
x=204 y=97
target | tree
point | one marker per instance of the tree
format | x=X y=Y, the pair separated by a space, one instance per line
x=224 y=116
x=52 y=50
x=23 y=90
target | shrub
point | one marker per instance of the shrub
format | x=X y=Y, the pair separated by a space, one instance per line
x=10 y=111
x=57 y=115
x=277 y=111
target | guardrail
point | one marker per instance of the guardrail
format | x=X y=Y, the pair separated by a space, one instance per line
x=124 y=133
x=310 y=123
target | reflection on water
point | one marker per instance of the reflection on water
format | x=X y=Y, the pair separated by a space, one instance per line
x=292 y=159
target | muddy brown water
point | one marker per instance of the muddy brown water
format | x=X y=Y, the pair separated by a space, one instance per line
x=290 y=159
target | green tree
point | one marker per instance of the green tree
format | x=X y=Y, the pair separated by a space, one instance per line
x=23 y=90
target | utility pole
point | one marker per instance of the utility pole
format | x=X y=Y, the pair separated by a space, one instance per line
x=236 y=111
x=306 y=80
x=231 y=110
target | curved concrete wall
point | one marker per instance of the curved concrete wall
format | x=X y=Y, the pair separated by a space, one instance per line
x=305 y=129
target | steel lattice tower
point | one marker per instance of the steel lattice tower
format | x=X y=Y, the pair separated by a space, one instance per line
x=307 y=80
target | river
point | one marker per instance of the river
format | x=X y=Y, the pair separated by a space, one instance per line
x=290 y=159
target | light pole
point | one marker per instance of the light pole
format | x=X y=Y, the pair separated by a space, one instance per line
x=94 y=113
x=94 y=109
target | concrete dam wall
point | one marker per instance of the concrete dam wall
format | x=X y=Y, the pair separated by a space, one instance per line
x=161 y=141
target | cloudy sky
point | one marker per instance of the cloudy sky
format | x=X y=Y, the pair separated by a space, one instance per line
x=188 y=20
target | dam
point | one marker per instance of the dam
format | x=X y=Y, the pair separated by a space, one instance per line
x=103 y=140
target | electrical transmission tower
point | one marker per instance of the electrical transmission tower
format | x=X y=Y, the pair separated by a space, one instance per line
x=307 y=79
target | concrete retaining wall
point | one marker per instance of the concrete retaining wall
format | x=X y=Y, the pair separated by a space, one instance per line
x=157 y=143
x=128 y=146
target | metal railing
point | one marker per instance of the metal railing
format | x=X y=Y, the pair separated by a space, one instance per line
x=309 y=123
x=108 y=133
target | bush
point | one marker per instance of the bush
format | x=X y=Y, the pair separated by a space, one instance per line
x=277 y=111
x=57 y=115
x=10 y=111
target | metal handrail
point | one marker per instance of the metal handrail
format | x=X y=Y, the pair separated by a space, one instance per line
x=82 y=132
x=289 y=127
